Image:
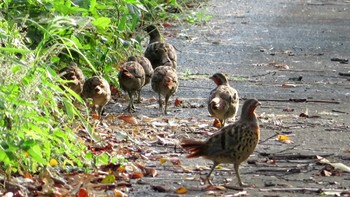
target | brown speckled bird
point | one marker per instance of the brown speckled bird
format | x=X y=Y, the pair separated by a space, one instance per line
x=223 y=100
x=131 y=79
x=97 y=89
x=232 y=144
x=75 y=75
x=147 y=66
x=159 y=52
x=164 y=82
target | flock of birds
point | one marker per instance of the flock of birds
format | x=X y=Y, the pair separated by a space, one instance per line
x=234 y=143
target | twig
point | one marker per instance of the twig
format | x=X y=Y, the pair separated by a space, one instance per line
x=301 y=100
x=299 y=189
x=344 y=74
x=274 y=135
x=261 y=75
x=290 y=148
x=292 y=156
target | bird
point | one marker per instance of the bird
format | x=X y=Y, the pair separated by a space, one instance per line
x=75 y=75
x=159 y=52
x=223 y=101
x=164 y=82
x=147 y=66
x=131 y=79
x=232 y=144
x=97 y=89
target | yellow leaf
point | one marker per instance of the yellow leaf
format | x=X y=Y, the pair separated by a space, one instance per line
x=181 y=190
x=53 y=162
x=163 y=160
x=282 y=138
x=109 y=179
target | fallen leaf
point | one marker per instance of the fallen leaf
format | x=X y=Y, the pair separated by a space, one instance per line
x=136 y=175
x=147 y=171
x=175 y=161
x=109 y=179
x=217 y=123
x=82 y=193
x=282 y=137
x=166 y=24
x=119 y=193
x=94 y=115
x=326 y=173
x=163 y=160
x=289 y=85
x=181 y=190
x=215 y=188
x=178 y=102
x=128 y=119
x=340 y=166
x=279 y=65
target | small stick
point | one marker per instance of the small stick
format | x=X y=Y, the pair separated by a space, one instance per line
x=274 y=135
x=301 y=100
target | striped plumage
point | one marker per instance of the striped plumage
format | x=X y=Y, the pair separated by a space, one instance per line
x=158 y=52
x=232 y=144
x=223 y=101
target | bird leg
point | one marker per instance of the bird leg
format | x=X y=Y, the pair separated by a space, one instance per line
x=138 y=94
x=160 y=102
x=130 y=107
x=241 y=184
x=207 y=180
x=166 y=103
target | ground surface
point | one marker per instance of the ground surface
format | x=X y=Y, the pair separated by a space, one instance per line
x=254 y=42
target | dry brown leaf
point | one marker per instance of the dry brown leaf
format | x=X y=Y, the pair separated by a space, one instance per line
x=175 y=161
x=82 y=193
x=217 y=123
x=289 y=85
x=147 y=171
x=119 y=193
x=128 y=119
x=136 y=175
x=178 y=102
x=163 y=160
x=181 y=190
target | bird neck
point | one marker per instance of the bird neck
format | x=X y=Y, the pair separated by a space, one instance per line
x=155 y=36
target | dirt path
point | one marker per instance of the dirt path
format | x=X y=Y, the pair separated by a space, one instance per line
x=260 y=45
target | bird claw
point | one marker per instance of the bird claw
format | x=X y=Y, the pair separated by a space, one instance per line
x=130 y=109
x=240 y=187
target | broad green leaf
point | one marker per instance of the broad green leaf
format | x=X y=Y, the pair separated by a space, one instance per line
x=102 y=23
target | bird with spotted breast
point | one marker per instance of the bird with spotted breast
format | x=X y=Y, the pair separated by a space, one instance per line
x=158 y=52
x=164 y=82
x=223 y=101
x=232 y=144
x=97 y=89
x=131 y=79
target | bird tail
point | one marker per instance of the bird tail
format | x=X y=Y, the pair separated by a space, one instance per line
x=195 y=148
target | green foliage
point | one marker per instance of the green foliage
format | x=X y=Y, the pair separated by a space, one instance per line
x=39 y=37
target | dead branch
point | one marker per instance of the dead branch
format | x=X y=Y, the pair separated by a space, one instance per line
x=274 y=135
x=293 y=156
x=301 y=100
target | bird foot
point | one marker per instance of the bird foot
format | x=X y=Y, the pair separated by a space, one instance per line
x=240 y=187
x=205 y=181
x=130 y=109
